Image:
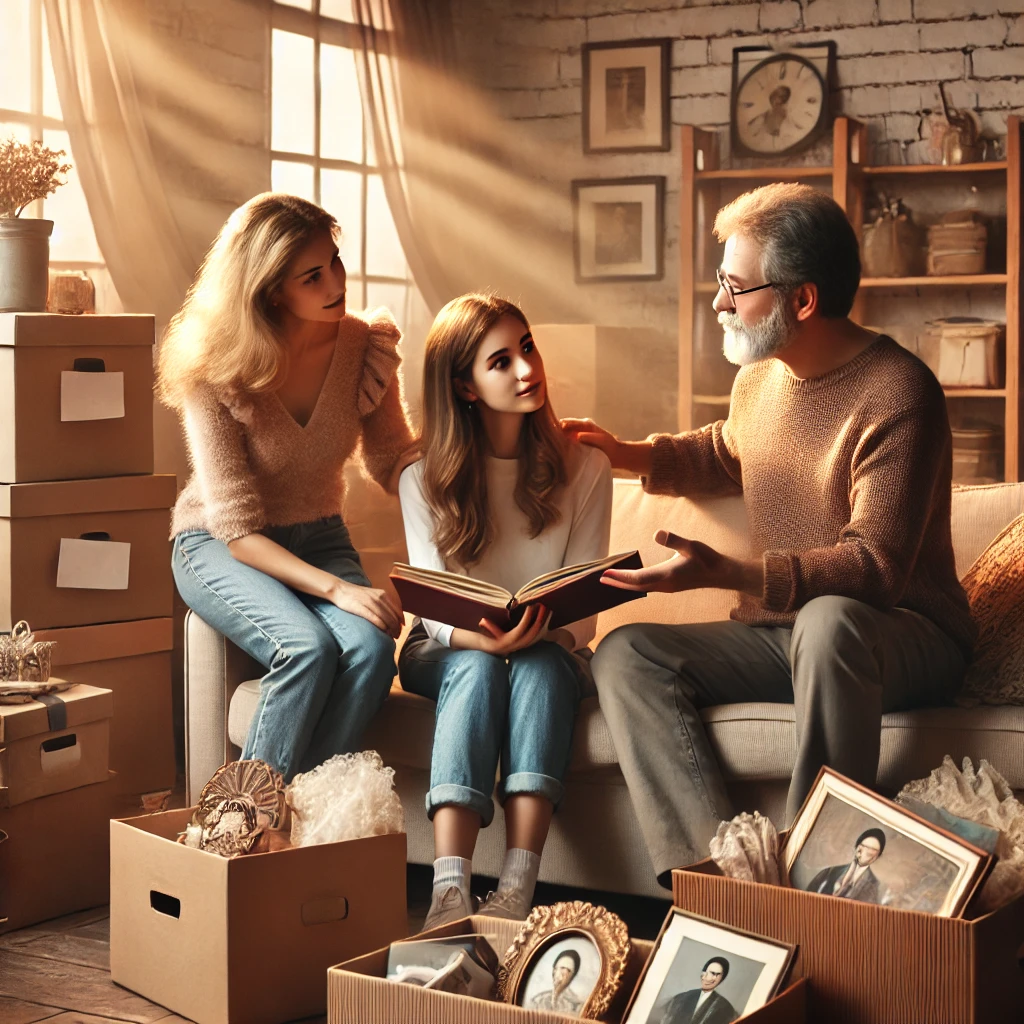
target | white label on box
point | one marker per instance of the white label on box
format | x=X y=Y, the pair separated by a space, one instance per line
x=91 y=396
x=93 y=564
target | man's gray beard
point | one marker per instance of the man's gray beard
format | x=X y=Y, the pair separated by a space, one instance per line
x=743 y=345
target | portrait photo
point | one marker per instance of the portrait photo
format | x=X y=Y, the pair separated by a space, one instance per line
x=850 y=843
x=702 y=972
x=626 y=96
x=618 y=229
x=563 y=976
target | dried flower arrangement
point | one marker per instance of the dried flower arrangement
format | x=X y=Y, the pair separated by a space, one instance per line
x=28 y=171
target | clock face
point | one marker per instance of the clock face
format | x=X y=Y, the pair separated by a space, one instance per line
x=779 y=105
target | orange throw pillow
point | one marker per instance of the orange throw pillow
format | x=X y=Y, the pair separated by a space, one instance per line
x=995 y=588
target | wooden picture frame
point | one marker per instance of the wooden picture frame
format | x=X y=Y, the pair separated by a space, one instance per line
x=594 y=937
x=626 y=96
x=852 y=828
x=675 y=972
x=619 y=229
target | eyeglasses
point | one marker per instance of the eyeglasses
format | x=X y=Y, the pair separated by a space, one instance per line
x=733 y=292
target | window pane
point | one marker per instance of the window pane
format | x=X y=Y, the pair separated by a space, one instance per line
x=15 y=53
x=384 y=254
x=355 y=291
x=51 y=101
x=295 y=179
x=291 y=111
x=73 y=237
x=394 y=296
x=21 y=132
x=341 y=108
x=341 y=193
x=340 y=9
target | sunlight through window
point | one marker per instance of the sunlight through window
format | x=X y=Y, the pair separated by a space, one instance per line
x=321 y=145
x=30 y=109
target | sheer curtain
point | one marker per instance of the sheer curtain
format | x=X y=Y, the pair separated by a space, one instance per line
x=475 y=199
x=148 y=258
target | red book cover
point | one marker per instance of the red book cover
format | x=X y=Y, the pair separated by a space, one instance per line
x=450 y=598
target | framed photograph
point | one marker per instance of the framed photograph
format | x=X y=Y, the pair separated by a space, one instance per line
x=569 y=957
x=618 y=229
x=626 y=96
x=706 y=972
x=849 y=842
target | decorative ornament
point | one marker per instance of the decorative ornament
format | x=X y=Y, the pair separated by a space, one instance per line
x=24 y=659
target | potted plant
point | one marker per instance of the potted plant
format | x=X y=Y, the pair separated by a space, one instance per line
x=28 y=171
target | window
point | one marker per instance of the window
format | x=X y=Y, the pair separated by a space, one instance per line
x=30 y=110
x=322 y=147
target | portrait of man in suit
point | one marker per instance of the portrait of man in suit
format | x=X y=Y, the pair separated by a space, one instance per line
x=702 y=1005
x=856 y=880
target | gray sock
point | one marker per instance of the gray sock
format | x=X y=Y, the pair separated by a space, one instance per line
x=449 y=871
x=519 y=875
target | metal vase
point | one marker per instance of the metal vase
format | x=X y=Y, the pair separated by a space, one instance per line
x=24 y=264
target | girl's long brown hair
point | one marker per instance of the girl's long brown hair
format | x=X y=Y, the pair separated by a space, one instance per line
x=453 y=442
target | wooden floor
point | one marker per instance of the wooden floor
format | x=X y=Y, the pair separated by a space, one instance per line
x=59 y=971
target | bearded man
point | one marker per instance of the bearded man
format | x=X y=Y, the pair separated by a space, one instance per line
x=839 y=441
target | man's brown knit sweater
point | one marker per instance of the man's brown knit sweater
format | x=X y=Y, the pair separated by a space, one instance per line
x=255 y=466
x=846 y=480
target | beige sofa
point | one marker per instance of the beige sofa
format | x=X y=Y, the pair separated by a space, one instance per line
x=595 y=839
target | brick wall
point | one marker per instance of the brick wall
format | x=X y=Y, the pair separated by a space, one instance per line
x=890 y=56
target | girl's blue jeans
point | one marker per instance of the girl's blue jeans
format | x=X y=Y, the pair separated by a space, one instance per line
x=329 y=671
x=520 y=710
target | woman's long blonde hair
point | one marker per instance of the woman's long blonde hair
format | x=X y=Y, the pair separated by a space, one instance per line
x=453 y=442
x=225 y=333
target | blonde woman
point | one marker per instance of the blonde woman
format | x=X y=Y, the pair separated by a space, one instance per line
x=499 y=495
x=277 y=386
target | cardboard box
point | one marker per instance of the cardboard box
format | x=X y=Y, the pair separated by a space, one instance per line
x=358 y=991
x=133 y=659
x=55 y=746
x=246 y=940
x=82 y=551
x=76 y=396
x=870 y=964
x=54 y=855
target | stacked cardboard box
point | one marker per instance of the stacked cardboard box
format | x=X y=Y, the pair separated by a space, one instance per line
x=85 y=559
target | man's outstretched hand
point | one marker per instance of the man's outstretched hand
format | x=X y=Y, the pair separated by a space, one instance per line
x=693 y=566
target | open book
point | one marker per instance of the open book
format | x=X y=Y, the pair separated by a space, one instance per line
x=571 y=593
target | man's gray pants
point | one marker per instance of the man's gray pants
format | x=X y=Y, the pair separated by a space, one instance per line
x=843 y=664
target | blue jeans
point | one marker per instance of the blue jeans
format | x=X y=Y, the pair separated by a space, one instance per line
x=329 y=670
x=522 y=710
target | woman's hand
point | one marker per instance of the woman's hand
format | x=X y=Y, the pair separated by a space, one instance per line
x=533 y=626
x=632 y=456
x=375 y=606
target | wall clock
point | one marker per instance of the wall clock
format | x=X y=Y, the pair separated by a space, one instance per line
x=780 y=100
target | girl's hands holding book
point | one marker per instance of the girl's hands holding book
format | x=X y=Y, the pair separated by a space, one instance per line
x=375 y=606
x=533 y=626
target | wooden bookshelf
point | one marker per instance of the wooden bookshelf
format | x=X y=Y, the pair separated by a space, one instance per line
x=704 y=376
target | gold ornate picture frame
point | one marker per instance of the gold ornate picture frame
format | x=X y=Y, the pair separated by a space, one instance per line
x=585 y=949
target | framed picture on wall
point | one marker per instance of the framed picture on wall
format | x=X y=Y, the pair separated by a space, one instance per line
x=618 y=229
x=626 y=96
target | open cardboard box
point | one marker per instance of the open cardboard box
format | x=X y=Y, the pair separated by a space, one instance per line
x=54 y=855
x=358 y=991
x=49 y=748
x=871 y=964
x=245 y=940
x=76 y=396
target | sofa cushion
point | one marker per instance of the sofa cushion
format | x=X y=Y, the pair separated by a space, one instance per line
x=752 y=741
